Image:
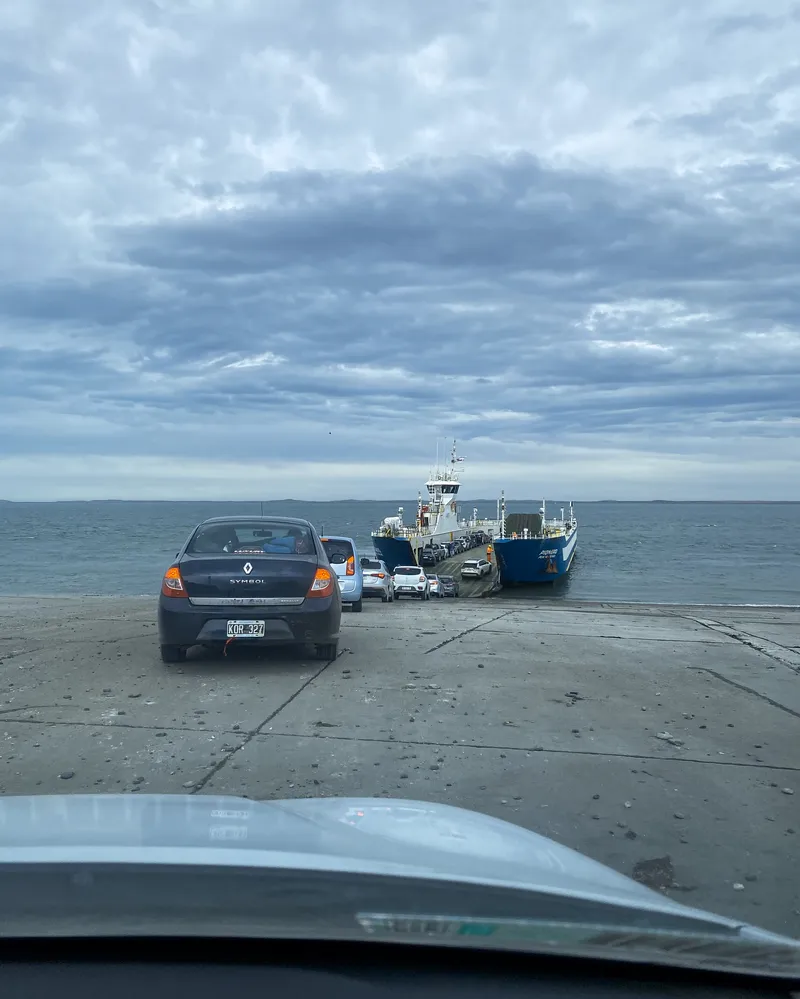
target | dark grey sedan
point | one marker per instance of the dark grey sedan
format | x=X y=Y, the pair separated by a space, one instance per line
x=260 y=580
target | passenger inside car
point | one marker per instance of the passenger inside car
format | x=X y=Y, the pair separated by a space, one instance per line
x=215 y=540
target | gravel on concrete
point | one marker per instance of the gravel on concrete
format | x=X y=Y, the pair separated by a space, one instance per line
x=662 y=741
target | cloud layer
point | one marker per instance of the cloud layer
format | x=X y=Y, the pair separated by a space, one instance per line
x=286 y=246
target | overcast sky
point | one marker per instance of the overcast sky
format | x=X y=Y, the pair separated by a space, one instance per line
x=280 y=247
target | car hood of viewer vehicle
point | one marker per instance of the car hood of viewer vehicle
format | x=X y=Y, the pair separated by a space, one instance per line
x=378 y=838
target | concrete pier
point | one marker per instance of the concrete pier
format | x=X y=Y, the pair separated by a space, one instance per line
x=662 y=741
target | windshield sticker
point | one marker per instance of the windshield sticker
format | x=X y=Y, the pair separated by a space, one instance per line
x=457 y=926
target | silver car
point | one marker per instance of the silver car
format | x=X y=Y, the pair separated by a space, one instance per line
x=433 y=579
x=377 y=579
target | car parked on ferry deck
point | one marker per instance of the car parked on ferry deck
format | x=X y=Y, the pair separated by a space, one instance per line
x=266 y=580
x=377 y=579
x=475 y=567
x=341 y=554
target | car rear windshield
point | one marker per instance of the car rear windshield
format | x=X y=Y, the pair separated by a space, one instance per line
x=446 y=579
x=407 y=570
x=244 y=537
x=338 y=550
x=471 y=563
x=370 y=563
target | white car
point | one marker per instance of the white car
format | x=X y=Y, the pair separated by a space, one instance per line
x=411 y=581
x=377 y=579
x=475 y=568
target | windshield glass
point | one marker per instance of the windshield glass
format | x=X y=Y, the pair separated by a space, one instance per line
x=338 y=550
x=251 y=538
x=500 y=289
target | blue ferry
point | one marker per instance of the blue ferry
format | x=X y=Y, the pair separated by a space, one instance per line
x=533 y=549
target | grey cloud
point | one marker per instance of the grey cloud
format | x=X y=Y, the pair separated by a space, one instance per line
x=267 y=229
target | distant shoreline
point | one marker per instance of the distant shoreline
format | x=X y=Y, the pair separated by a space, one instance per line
x=389 y=502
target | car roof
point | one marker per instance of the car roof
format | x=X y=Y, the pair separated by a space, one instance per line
x=255 y=518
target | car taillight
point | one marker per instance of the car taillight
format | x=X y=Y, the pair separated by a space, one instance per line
x=380 y=575
x=422 y=579
x=351 y=567
x=322 y=586
x=172 y=584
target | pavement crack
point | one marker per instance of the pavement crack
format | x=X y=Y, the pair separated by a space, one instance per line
x=31 y=707
x=773 y=650
x=618 y=638
x=747 y=690
x=70 y=641
x=80 y=723
x=538 y=750
x=249 y=736
x=21 y=652
x=461 y=634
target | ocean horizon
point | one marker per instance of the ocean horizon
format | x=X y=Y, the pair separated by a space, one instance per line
x=657 y=551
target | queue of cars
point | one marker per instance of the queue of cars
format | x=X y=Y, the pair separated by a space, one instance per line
x=432 y=554
x=276 y=581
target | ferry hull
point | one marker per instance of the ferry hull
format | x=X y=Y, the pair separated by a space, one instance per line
x=534 y=560
x=394 y=552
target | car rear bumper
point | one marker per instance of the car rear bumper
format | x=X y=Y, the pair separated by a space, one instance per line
x=315 y=621
x=351 y=589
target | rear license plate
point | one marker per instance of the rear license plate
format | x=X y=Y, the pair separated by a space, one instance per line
x=245 y=629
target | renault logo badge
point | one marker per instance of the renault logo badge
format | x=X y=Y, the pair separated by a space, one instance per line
x=247 y=568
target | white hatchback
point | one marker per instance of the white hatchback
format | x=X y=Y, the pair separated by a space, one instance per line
x=411 y=581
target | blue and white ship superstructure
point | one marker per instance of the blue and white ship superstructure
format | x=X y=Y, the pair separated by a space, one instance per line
x=437 y=520
x=533 y=549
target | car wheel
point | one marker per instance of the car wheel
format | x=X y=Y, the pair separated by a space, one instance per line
x=384 y=598
x=328 y=651
x=358 y=606
x=173 y=654
x=396 y=596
